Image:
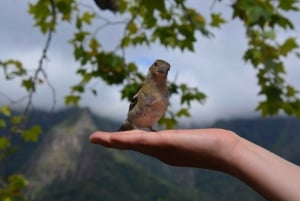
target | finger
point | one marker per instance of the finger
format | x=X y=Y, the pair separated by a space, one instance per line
x=120 y=140
x=135 y=138
x=100 y=137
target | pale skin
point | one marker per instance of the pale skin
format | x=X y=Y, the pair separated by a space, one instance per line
x=216 y=149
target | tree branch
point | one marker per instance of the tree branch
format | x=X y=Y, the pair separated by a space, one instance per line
x=40 y=69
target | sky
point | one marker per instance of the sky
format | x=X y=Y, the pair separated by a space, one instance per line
x=216 y=67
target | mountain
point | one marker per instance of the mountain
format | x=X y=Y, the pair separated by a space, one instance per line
x=64 y=166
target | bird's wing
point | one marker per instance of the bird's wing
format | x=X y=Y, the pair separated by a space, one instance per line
x=134 y=100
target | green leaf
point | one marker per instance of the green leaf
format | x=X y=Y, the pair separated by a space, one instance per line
x=216 y=20
x=154 y=4
x=65 y=8
x=42 y=14
x=288 y=45
x=87 y=17
x=80 y=36
x=273 y=93
x=254 y=55
x=262 y=107
x=72 y=99
x=279 y=68
x=86 y=77
x=290 y=91
x=77 y=88
x=129 y=90
x=296 y=107
x=140 y=39
x=2 y=123
x=261 y=76
x=4 y=143
x=16 y=182
x=253 y=12
x=122 y=5
x=125 y=41
x=28 y=84
x=131 y=27
x=169 y=122
x=12 y=68
x=288 y=5
x=191 y=94
x=111 y=68
x=94 y=45
x=78 y=52
x=132 y=67
x=32 y=134
x=183 y=112
x=18 y=119
x=269 y=34
x=149 y=21
x=5 y=110
x=78 y=23
x=281 y=21
x=173 y=88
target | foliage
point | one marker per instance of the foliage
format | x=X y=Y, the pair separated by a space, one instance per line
x=11 y=190
x=11 y=127
x=173 y=24
x=262 y=19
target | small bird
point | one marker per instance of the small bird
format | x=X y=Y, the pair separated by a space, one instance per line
x=112 y=5
x=151 y=101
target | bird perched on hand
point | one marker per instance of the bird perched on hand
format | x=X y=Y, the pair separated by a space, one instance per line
x=151 y=101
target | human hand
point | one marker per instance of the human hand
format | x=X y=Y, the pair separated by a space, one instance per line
x=217 y=149
x=203 y=148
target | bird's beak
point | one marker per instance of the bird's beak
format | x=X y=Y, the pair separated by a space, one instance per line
x=163 y=70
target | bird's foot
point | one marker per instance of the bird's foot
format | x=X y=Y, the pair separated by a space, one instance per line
x=151 y=129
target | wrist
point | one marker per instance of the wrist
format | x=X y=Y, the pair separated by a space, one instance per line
x=222 y=148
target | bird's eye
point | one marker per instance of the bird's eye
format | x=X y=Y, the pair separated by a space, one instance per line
x=155 y=64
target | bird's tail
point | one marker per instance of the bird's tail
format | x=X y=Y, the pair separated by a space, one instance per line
x=126 y=127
